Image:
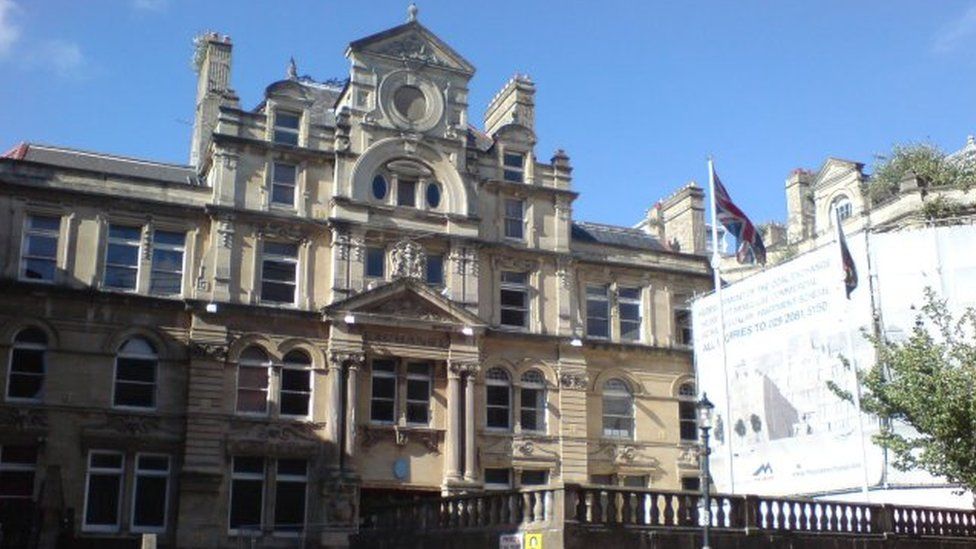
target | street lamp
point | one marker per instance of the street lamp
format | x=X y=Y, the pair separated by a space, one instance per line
x=705 y=408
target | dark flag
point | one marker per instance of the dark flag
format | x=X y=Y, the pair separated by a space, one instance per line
x=850 y=271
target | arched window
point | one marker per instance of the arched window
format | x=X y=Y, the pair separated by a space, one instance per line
x=533 y=401
x=618 y=409
x=840 y=207
x=26 y=374
x=498 y=399
x=135 y=374
x=253 y=379
x=688 y=411
x=296 y=385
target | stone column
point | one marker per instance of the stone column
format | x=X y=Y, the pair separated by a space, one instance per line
x=453 y=421
x=334 y=415
x=352 y=399
x=469 y=468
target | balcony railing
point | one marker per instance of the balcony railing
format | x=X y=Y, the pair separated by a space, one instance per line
x=639 y=508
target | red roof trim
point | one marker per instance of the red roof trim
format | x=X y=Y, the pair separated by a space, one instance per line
x=17 y=153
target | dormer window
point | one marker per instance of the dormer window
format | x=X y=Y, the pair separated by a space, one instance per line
x=514 y=167
x=841 y=208
x=286 y=127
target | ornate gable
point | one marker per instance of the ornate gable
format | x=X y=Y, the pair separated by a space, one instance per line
x=403 y=301
x=414 y=45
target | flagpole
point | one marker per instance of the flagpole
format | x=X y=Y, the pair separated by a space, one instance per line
x=717 y=279
x=856 y=394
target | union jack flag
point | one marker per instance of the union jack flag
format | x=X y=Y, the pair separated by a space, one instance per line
x=749 y=244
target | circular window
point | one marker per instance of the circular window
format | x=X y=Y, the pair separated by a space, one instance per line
x=410 y=102
x=433 y=195
x=379 y=187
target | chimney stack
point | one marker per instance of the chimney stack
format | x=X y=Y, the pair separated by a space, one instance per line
x=212 y=63
x=514 y=104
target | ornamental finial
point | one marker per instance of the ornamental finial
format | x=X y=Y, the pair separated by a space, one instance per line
x=292 y=69
x=412 y=12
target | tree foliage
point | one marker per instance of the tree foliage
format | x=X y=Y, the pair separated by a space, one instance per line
x=928 y=382
x=926 y=161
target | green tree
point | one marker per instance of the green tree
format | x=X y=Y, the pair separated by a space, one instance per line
x=928 y=382
x=926 y=161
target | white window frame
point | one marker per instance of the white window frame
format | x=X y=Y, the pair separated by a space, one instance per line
x=496 y=381
x=275 y=183
x=301 y=367
x=20 y=468
x=686 y=396
x=510 y=221
x=279 y=478
x=85 y=526
x=249 y=363
x=123 y=242
x=155 y=383
x=43 y=233
x=156 y=245
x=154 y=473
x=604 y=298
x=515 y=287
x=27 y=346
x=615 y=392
x=517 y=172
x=426 y=378
x=388 y=374
x=526 y=382
x=297 y=132
x=639 y=302
x=840 y=207
x=235 y=475
x=279 y=258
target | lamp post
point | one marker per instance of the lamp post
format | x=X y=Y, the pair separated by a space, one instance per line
x=705 y=408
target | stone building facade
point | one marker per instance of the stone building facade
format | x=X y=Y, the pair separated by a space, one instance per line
x=350 y=296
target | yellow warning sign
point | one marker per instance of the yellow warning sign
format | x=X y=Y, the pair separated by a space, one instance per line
x=532 y=541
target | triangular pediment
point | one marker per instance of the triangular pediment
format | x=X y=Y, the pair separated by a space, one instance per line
x=403 y=301
x=834 y=169
x=413 y=43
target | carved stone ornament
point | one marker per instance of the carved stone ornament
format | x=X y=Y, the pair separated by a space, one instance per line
x=411 y=48
x=525 y=447
x=623 y=454
x=574 y=381
x=431 y=439
x=353 y=358
x=410 y=307
x=225 y=228
x=281 y=231
x=132 y=425
x=688 y=458
x=214 y=351
x=262 y=436
x=21 y=419
x=408 y=259
x=470 y=368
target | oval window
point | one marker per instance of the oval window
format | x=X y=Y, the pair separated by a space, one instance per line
x=410 y=102
x=379 y=187
x=433 y=195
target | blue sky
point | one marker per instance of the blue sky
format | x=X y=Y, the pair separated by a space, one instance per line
x=638 y=93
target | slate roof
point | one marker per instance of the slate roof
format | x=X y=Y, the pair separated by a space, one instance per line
x=104 y=163
x=323 y=96
x=612 y=235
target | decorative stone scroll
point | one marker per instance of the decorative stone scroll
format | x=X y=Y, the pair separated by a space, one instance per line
x=411 y=48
